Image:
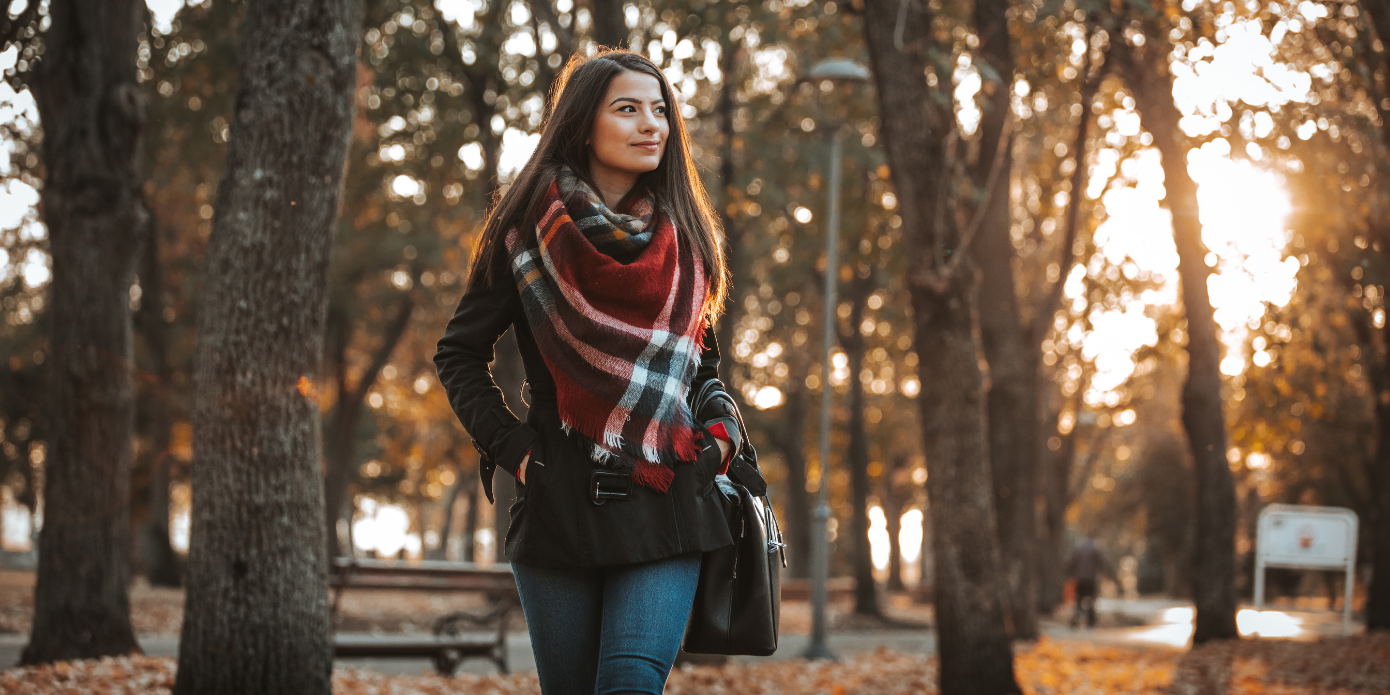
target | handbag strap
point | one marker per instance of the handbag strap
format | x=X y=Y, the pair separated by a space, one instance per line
x=748 y=456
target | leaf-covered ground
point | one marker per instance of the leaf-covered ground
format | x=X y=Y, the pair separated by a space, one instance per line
x=1357 y=665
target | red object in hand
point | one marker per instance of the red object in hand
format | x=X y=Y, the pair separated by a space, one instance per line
x=518 y=468
x=719 y=431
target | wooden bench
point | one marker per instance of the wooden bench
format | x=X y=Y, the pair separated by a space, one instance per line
x=456 y=636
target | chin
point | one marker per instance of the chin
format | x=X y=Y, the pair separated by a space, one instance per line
x=642 y=166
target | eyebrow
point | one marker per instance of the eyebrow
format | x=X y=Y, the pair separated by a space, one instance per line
x=635 y=101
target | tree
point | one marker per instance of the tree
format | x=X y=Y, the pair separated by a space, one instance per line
x=161 y=563
x=1009 y=348
x=610 y=26
x=976 y=655
x=857 y=457
x=256 y=613
x=93 y=118
x=1213 y=589
x=789 y=439
x=1378 y=593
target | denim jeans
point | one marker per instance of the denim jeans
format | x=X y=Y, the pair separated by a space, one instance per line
x=608 y=630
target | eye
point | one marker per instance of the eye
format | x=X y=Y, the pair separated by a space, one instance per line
x=627 y=108
x=661 y=110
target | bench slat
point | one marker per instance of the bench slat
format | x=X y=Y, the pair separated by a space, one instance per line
x=407 y=645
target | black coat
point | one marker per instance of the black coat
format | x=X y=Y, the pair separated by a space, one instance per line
x=554 y=521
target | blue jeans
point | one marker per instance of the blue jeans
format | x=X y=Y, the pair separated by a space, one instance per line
x=607 y=630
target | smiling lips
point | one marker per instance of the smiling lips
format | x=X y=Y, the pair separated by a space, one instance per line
x=649 y=145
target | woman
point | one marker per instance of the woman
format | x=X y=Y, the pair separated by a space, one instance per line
x=603 y=254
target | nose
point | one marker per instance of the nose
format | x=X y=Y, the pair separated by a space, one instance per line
x=649 y=123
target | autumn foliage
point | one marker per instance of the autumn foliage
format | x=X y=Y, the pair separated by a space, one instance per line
x=1049 y=667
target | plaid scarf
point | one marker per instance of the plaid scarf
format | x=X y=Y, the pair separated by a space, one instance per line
x=615 y=302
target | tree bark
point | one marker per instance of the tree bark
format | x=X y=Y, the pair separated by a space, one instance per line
x=791 y=441
x=161 y=562
x=542 y=11
x=347 y=415
x=1054 y=471
x=256 y=612
x=976 y=654
x=865 y=588
x=1378 y=12
x=734 y=255
x=1213 y=587
x=93 y=118
x=470 y=525
x=1012 y=402
x=893 y=512
x=1378 y=593
x=1377 y=358
x=1055 y=484
x=609 y=23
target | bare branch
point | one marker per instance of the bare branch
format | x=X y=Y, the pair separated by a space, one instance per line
x=1079 y=175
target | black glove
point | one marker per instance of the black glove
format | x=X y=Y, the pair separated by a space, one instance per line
x=718 y=408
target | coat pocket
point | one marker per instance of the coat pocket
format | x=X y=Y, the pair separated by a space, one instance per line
x=707 y=464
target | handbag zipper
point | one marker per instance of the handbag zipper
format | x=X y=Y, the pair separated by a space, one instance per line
x=741 y=521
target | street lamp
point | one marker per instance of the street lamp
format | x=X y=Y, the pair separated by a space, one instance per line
x=834 y=70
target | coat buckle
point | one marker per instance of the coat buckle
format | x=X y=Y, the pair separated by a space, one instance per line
x=607 y=485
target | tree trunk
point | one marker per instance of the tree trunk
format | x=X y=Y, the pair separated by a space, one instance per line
x=609 y=23
x=1378 y=12
x=93 y=117
x=441 y=551
x=161 y=562
x=256 y=612
x=470 y=525
x=1214 y=567
x=976 y=654
x=341 y=448
x=1009 y=348
x=791 y=441
x=1378 y=593
x=865 y=589
x=893 y=512
x=510 y=374
x=734 y=256
x=1056 y=480
x=972 y=630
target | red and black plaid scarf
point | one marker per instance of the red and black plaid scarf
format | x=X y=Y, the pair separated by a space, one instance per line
x=615 y=301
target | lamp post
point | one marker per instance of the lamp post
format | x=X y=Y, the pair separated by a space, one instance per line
x=835 y=70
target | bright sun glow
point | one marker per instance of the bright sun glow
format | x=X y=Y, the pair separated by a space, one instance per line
x=879 y=547
x=1244 y=210
x=384 y=528
x=1174 y=626
x=909 y=542
x=910 y=535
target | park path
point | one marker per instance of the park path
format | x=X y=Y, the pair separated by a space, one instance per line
x=1147 y=622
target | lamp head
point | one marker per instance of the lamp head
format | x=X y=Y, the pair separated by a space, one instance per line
x=838 y=70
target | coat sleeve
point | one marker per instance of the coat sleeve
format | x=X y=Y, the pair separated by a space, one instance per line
x=715 y=411
x=462 y=358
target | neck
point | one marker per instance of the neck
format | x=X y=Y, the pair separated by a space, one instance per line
x=612 y=184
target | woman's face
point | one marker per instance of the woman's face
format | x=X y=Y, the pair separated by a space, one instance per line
x=629 y=133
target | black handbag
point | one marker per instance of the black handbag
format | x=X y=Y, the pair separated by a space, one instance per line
x=738 y=597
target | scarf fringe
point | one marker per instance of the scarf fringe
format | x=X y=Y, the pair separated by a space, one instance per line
x=654 y=468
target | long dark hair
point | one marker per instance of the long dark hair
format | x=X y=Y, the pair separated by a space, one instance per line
x=574 y=103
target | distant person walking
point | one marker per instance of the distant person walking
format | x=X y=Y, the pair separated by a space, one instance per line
x=1087 y=563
